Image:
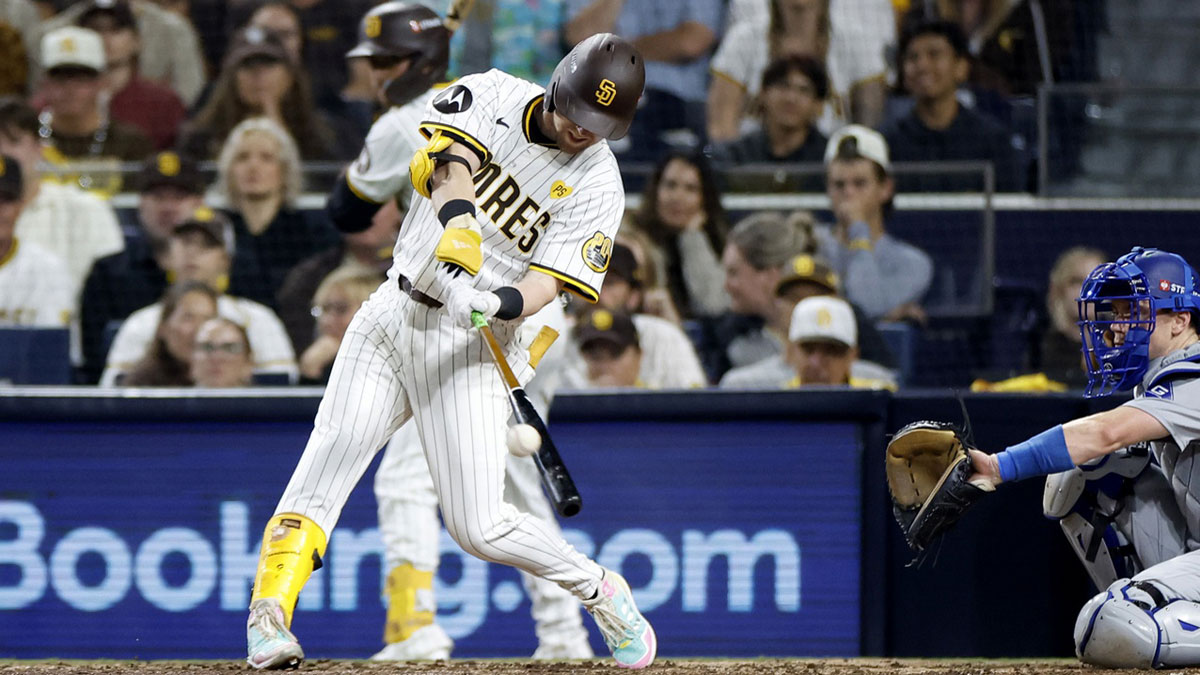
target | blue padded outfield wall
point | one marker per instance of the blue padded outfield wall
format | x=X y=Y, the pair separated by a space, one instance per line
x=131 y=531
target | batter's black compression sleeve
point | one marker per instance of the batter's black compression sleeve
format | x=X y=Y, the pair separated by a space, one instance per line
x=348 y=210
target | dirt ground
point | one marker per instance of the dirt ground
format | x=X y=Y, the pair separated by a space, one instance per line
x=525 y=667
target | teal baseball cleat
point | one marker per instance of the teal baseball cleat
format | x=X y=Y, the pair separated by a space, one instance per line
x=626 y=632
x=269 y=644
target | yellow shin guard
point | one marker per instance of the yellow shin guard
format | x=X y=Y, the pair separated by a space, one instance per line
x=292 y=547
x=410 y=602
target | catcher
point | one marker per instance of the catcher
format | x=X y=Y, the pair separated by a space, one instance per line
x=1123 y=483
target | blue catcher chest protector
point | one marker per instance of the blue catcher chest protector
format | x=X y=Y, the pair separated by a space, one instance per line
x=1117 y=308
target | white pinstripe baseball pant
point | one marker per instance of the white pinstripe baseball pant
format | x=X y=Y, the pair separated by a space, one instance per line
x=403 y=359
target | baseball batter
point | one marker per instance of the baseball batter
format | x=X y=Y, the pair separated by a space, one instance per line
x=408 y=48
x=1127 y=478
x=519 y=199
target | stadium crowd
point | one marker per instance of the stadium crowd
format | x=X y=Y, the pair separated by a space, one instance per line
x=217 y=277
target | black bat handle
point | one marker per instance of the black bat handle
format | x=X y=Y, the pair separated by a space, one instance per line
x=555 y=477
x=559 y=485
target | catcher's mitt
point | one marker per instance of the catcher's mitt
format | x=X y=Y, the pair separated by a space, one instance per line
x=927 y=471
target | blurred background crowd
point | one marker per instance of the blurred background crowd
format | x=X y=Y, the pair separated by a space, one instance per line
x=812 y=184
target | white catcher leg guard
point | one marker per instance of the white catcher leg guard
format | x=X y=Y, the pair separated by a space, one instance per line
x=1136 y=624
x=1091 y=503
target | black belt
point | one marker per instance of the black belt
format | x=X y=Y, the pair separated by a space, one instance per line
x=424 y=299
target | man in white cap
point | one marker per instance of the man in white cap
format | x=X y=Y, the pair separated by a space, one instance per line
x=883 y=275
x=823 y=345
x=74 y=126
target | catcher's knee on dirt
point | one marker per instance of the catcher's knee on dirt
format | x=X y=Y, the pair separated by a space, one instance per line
x=1086 y=501
x=1137 y=624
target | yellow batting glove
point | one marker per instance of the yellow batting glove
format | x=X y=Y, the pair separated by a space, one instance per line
x=460 y=244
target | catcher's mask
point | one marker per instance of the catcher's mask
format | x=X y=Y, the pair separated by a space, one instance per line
x=1118 y=306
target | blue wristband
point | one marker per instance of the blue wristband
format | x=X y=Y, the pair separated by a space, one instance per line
x=1041 y=455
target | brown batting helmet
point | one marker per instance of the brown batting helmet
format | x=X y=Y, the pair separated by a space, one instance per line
x=598 y=84
x=403 y=30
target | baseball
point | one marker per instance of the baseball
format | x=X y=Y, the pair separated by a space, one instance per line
x=523 y=440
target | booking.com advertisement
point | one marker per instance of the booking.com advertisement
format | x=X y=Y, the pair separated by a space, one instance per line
x=140 y=540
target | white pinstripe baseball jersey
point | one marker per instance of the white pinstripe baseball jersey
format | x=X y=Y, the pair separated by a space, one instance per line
x=381 y=171
x=538 y=207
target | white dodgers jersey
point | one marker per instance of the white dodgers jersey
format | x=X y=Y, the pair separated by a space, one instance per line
x=538 y=207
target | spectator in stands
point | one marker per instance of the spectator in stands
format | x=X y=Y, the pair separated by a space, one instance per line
x=793 y=94
x=1003 y=39
x=806 y=276
x=201 y=249
x=1061 y=352
x=608 y=342
x=20 y=65
x=35 y=289
x=681 y=212
x=802 y=277
x=76 y=226
x=337 y=299
x=823 y=345
x=369 y=251
x=849 y=37
x=170 y=51
x=258 y=182
x=655 y=297
x=170 y=188
x=74 y=125
x=883 y=275
x=258 y=78
x=676 y=39
x=151 y=107
x=330 y=29
x=350 y=111
x=166 y=359
x=759 y=245
x=221 y=356
x=668 y=358
x=520 y=37
x=280 y=18
x=935 y=62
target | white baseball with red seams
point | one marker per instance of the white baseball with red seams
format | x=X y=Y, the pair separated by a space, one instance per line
x=523 y=440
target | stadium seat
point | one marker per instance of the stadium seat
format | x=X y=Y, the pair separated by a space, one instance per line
x=35 y=356
x=901 y=340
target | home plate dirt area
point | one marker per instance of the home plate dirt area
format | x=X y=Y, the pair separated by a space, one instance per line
x=526 y=667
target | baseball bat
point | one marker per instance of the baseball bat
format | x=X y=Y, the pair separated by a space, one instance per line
x=559 y=485
x=459 y=9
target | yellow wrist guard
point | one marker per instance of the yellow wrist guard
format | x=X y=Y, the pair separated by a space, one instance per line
x=460 y=244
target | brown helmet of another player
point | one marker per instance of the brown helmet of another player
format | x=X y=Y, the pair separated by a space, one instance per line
x=397 y=31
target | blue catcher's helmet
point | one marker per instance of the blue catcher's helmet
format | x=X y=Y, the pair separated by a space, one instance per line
x=1128 y=294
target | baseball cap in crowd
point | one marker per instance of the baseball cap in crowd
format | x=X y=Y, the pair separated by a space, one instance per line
x=252 y=42
x=865 y=141
x=624 y=265
x=10 y=179
x=73 y=47
x=807 y=268
x=118 y=10
x=823 y=318
x=602 y=325
x=169 y=169
x=213 y=224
